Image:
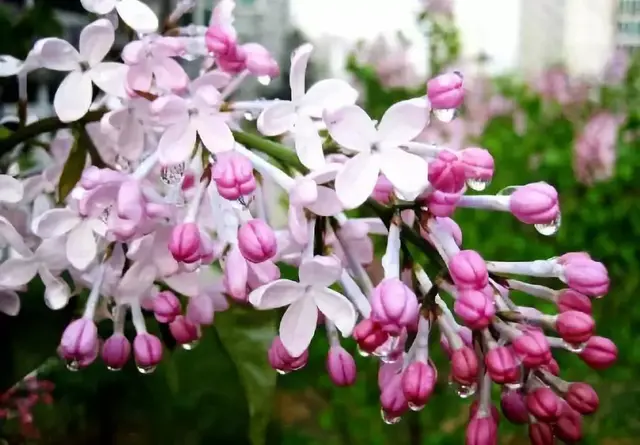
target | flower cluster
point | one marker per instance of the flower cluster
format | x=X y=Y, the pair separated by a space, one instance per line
x=19 y=401
x=170 y=214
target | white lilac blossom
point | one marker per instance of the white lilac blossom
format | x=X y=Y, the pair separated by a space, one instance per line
x=168 y=221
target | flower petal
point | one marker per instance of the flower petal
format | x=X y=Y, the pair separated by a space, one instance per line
x=57 y=54
x=170 y=75
x=9 y=65
x=308 y=143
x=298 y=325
x=137 y=15
x=407 y=172
x=177 y=143
x=337 y=308
x=298 y=224
x=276 y=119
x=96 y=39
x=356 y=181
x=298 y=69
x=73 y=97
x=16 y=272
x=55 y=222
x=98 y=6
x=10 y=236
x=56 y=291
x=170 y=109
x=136 y=281
x=139 y=77
x=236 y=274
x=217 y=79
x=403 y=122
x=328 y=94
x=9 y=302
x=320 y=271
x=215 y=134
x=327 y=203
x=352 y=128
x=279 y=293
x=11 y=190
x=110 y=77
x=81 y=246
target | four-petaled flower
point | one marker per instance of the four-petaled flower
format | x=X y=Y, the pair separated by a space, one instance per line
x=133 y=12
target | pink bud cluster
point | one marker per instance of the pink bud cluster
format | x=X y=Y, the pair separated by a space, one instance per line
x=20 y=399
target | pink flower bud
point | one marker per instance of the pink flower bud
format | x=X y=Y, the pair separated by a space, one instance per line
x=495 y=415
x=446 y=172
x=583 y=398
x=573 y=256
x=184 y=331
x=535 y=203
x=383 y=191
x=571 y=300
x=533 y=348
x=233 y=175
x=474 y=309
x=544 y=404
x=501 y=365
x=236 y=275
x=541 y=434
x=200 y=310
x=587 y=276
x=464 y=366
x=418 y=382
x=257 y=241
x=369 y=335
x=568 y=428
x=147 y=350
x=281 y=360
x=393 y=305
x=260 y=62
x=552 y=367
x=442 y=204
x=387 y=371
x=445 y=91
x=575 y=327
x=514 y=407
x=116 y=351
x=481 y=431
x=341 y=366
x=468 y=270
x=166 y=306
x=392 y=398
x=79 y=340
x=451 y=227
x=219 y=41
x=478 y=164
x=599 y=353
x=184 y=243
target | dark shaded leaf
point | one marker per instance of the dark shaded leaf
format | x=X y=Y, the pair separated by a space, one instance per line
x=72 y=170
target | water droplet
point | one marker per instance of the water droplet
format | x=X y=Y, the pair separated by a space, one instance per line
x=446 y=115
x=73 y=365
x=248 y=115
x=264 y=80
x=363 y=353
x=575 y=348
x=146 y=369
x=465 y=391
x=298 y=368
x=388 y=419
x=390 y=358
x=508 y=190
x=478 y=185
x=189 y=346
x=414 y=407
x=282 y=371
x=515 y=386
x=551 y=228
x=173 y=174
x=111 y=368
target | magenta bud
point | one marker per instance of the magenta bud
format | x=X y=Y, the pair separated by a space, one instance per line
x=599 y=353
x=464 y=366
x=369 y=335
x=501 y=365
x=587 y=276
x=260 y=62
x=147 y=351
x=575 y=327
x=544 y=404
x=535 y=203
x=418 y=382
x=393 y=305
x=541 y=434
x=166 y=306
x=473 y=411
x=392 y=398
x=341 y=366
x=383 y=191
x=79 y=340
x=571 y=300
x=219 y=41
x=481 y=431
x=442 y=204
x=514 y=407
x=447 y=173
x=116 y=351
x=184 y=243
x=474 y=309
x=257 y=241
x=200 y=310
x=233 y=175
x=552 y=367
x=445 y=91
x=568 y=428
x=582 y=397
x=478 y=163
x=281 y=360
x=468 y=270
x=533 y=348
x=451 y=227
x=183 y=330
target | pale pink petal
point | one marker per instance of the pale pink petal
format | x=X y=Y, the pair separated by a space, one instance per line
x=137 y=15
x=356 y=181
x=56 y=291
x=131 y=139
x=403 y=122
x=327 y=203
x=134 y=52
x=298 y=225
x=9 y=302
x=177 y=143
x=96 y=39
x=81 y=246
x=407 y=172
x=215 y=134
x=308 y=143
x=279 y=293
x=298 y=69
x=276 y=119
x=170 y=75
x=304 y=192
x=216 y=79
x=168 y=110
x=236 y=274
x=52 y=254
x=136 y=281
x=57 y=54
x=206 y=100
x=320 y=271
x=222 y=14
x=16 y=272
x=328 y=94
x=73 y=97
x=140 y=76
x=167 y=46
x=352 y=128
x=11 y=190
x=298 y=325
x=184 y=283
x=9 y=66
x=110 y=77
x=337 y=308
x=99 y=6
x=55 y=222
x=10 y=236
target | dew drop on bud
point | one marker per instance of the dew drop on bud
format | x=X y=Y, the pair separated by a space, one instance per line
x=264 y=80
x=445 y=115
x=282 y=371
x=515 y=386
x=248 y=115
x=173 y=174
x=189 y=346
x=549 y=229
x=73 y=365
x=111 y=368
x=146 y=369
x=478 y=185
x=389 y=420
x=362 y=352
x=575 y=348
x=414 y=407
x=508 y=190
x=465 y=391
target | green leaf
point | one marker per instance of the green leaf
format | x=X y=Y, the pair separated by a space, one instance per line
x=72 y=170
x=247 y=335
x=4 y=132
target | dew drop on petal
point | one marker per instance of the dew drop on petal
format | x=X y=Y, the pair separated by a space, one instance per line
x=146 y=369
x=445 y=115
x=248 y=115
x=465 y=391
x=508 y=190
x=73 y=365
x=414 y=407
x=264 y=80
x=575 y=348
x=111 y=368
x=363 y=353
x=549 y=229
x=190 y=346
x=514 y=386
x=478 y=185
x=282 y=371
x=388 y=419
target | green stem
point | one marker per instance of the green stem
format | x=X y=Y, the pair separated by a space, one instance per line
x=277 y=151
